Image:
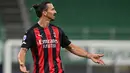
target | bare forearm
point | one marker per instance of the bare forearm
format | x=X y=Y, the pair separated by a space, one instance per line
x=21 y=56
x=82 y=53
x=77 y=51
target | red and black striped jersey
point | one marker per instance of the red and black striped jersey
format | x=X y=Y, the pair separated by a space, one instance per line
x=45 y=44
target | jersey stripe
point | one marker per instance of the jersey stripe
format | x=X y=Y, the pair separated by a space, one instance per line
x=53 y=35
x=59 y=63
x=40 y=50
x=50 y=56
x=46 y=65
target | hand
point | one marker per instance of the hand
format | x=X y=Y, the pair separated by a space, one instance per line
x=23 y=69
x=96 y=58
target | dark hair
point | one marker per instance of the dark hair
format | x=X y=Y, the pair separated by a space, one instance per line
x=40 y=7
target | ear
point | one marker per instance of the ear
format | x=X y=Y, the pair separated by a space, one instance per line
x=44 y=13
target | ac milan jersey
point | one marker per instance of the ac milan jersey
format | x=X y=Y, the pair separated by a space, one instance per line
x=45 y=44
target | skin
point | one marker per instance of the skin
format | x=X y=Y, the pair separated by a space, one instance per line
x=47 y=16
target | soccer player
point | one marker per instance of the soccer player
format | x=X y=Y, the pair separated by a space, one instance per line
x=45 y=40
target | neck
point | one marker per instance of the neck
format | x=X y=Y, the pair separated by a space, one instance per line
x=44 y=22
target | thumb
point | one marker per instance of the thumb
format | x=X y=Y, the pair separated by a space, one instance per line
x=100 y=55
x=26 y=72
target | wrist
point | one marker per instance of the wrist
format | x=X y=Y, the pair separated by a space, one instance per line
x=22 y=64
x=89 y=55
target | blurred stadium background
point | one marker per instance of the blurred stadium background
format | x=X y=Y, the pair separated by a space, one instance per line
x=103 y=25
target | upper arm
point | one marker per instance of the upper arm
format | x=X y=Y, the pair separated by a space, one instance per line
x=70 y=46
x=64 y=40
x=27 y=41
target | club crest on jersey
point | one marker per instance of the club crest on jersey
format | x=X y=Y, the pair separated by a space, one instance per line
x=54 y=34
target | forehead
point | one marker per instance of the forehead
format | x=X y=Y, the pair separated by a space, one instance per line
x=50 y=6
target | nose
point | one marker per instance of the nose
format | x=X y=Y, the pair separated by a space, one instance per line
x=55 y=12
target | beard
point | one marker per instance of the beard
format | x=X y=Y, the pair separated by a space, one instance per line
x=51 y=19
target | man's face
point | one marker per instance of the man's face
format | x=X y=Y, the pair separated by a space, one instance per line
x=50 y=12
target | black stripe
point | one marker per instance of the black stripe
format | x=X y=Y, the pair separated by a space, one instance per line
x=54 y=49
x=37 y=60
x=46 y=64
x=60 y=36
x=35 y=50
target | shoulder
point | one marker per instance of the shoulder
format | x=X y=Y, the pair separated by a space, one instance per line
x=30 y=30
x=60 y=29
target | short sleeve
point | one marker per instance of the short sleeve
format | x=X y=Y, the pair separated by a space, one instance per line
x=64 y=40
x=27 y=40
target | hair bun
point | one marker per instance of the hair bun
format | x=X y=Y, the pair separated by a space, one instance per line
x=35 y=6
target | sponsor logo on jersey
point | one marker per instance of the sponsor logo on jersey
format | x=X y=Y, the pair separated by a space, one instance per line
x=50 y=43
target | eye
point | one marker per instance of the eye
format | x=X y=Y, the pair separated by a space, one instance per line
x=53 y=8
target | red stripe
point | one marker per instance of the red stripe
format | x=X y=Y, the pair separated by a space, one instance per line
x=50 y=57
x=55 y=29
x=40 y=50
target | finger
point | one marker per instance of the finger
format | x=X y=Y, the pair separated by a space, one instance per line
x=100 y=55
x=102 y=62
x=26 y=72
x=98 y=61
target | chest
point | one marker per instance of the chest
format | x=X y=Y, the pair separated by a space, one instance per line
x=47 y=33
x=47 y=36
